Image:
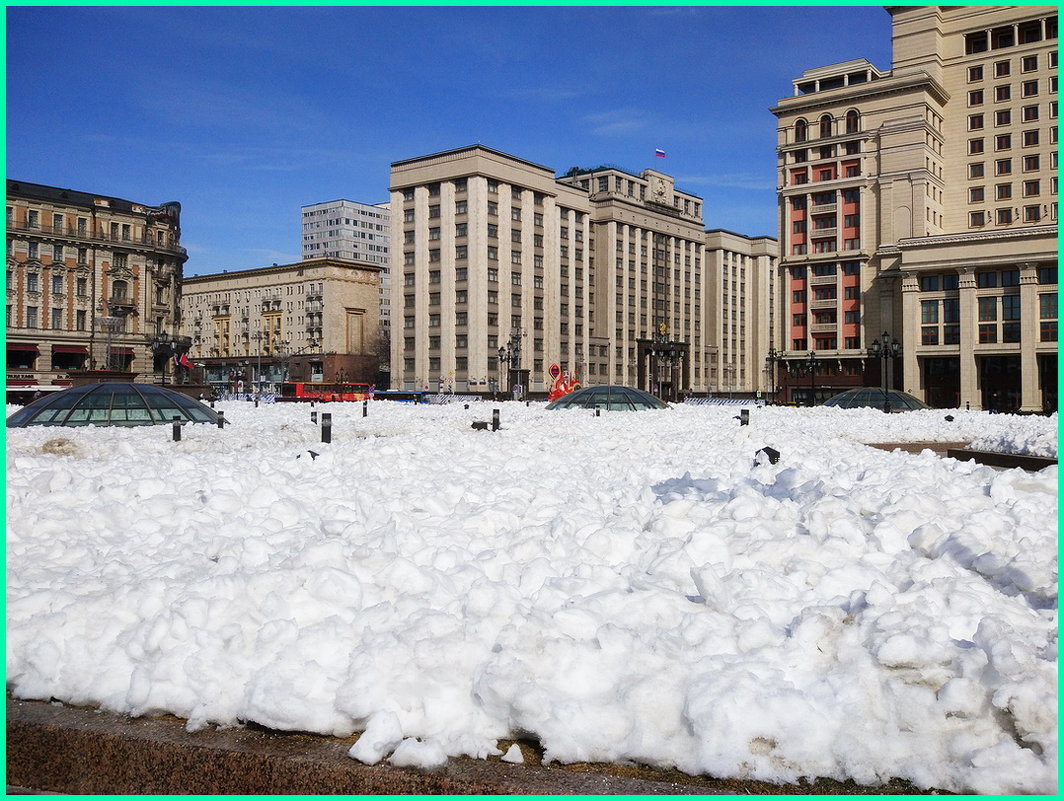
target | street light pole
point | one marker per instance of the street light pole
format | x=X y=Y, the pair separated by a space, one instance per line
x=774 y=356
x=886 y=350
x=811 y=364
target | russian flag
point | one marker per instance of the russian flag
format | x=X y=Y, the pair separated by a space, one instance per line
x=659 y=152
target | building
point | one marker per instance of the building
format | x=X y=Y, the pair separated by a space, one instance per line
x=921 y=202
x=504 y=270
x=344 y=229
x=316 y=320
x=93 y=283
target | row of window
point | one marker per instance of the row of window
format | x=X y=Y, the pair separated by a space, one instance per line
x=1031 y=138
x=1006 y=36
x=827 y=126
x=984 y=279
x=1003 y=117
x=1003 y=92
x=34 y=319
x=1031 y=188
x=1007 y=216
x=58 y=284
x=1003 y=68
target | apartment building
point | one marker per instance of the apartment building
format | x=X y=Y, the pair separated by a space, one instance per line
x=315 y=320
x=93 y=283
x=504 y=270
x=345 y=229
x=921 y=202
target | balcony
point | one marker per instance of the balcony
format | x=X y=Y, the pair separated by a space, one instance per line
x=830 y=303
x=823 y=208
x=120 y=306
x=824 y=328
x=822 y=280
x=146 y=239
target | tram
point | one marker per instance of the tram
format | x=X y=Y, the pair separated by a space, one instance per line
x=323 y=392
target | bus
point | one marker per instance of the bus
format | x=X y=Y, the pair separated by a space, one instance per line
x=322 y=392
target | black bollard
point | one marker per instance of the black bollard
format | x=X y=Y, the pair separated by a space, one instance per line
x=598 y=412
x=467 y=406
x=326 y=427
x=365 y=408
x=313 y=417
x=256 y=401
x=177 y=428
x=212 y=403
x=221 y=419
x=744 y=417
x=494 y=419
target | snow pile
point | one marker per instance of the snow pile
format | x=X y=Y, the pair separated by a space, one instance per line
x=635 y=587
x=1027 y=436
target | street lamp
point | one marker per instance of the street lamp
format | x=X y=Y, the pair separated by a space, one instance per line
x=886 y=350
x=810 y=364
x=510 y=355
x=774 y=357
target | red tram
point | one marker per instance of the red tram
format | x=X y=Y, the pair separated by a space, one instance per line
x=322 y=392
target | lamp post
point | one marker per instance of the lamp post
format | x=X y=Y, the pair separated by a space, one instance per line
x=510 y=355
x=886 y=350
x=774 y=357
x=810 y=363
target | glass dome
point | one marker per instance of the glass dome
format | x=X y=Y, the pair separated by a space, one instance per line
x=872 y=397
x=112 y=404
x=610 y=397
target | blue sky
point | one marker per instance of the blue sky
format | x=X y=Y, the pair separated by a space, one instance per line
x=245 y=114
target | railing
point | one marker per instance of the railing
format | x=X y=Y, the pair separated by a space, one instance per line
x=145 y=239
x=820 y=280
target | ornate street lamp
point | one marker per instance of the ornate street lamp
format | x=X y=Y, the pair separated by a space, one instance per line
x=886 y=350
x=510 y=355
x=774 y=358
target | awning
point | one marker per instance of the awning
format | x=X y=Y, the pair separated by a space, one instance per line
x=80 y=349
x=22 y=346
x=21 y=382
x=122 y=351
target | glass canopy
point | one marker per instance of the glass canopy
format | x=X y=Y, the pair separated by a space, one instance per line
x=112 y=404
x=873 y=397
x=610 y=397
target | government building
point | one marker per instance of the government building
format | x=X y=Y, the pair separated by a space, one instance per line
x=93 y=283
x=503 y=271
x=921 y=203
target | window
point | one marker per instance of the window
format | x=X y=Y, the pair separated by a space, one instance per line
x=461 y=207
x=1001 y=69
x=975 y=74
x=826 y=125
x=31 y=317
x=31 y=282
x=1029 y=63
x=976 y=194
x=1032 y=213
x=82 y=286
x=976 y=219
x=975 y=98
x=800 y=131
x=1003 y=141
x=928 y=311
x=975 y=122
x=1030 y=188
x=1003 y=93
x=1030 y=113
x=853 y=120
x=1004 y=216
x=57 y=284
x=975 y=146
x=929 y=335
x=986 y=280
x=1030 y=89
x=1030 y=138
x=975 y=170
x=57 y=318
x=1003 y=191
x=1003 y=117
x=1003 y=167
x=987 y=309
x=1030 y=163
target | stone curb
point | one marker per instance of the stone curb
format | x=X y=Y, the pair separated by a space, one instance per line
x=53 y=748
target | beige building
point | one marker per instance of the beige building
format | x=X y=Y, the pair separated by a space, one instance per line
x=922 y=202
x=503 y=270
x=316 y=320
x=92 y=283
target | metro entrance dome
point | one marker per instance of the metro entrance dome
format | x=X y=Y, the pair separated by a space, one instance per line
x=112 y=404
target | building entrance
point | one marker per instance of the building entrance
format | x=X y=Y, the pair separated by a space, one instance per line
x=1047 y=378
x=942 y=381
x=999 y=379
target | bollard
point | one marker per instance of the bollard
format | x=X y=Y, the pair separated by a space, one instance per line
x=744 y=417
x=212 y=403
x=256 y=401
x=598 y=412
x=177 y=428
x=528 y=403
x=365 y=408
x=326 y=427
x=313 y=417
x=221 y=419
x=467 y=406
x=494 y=419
